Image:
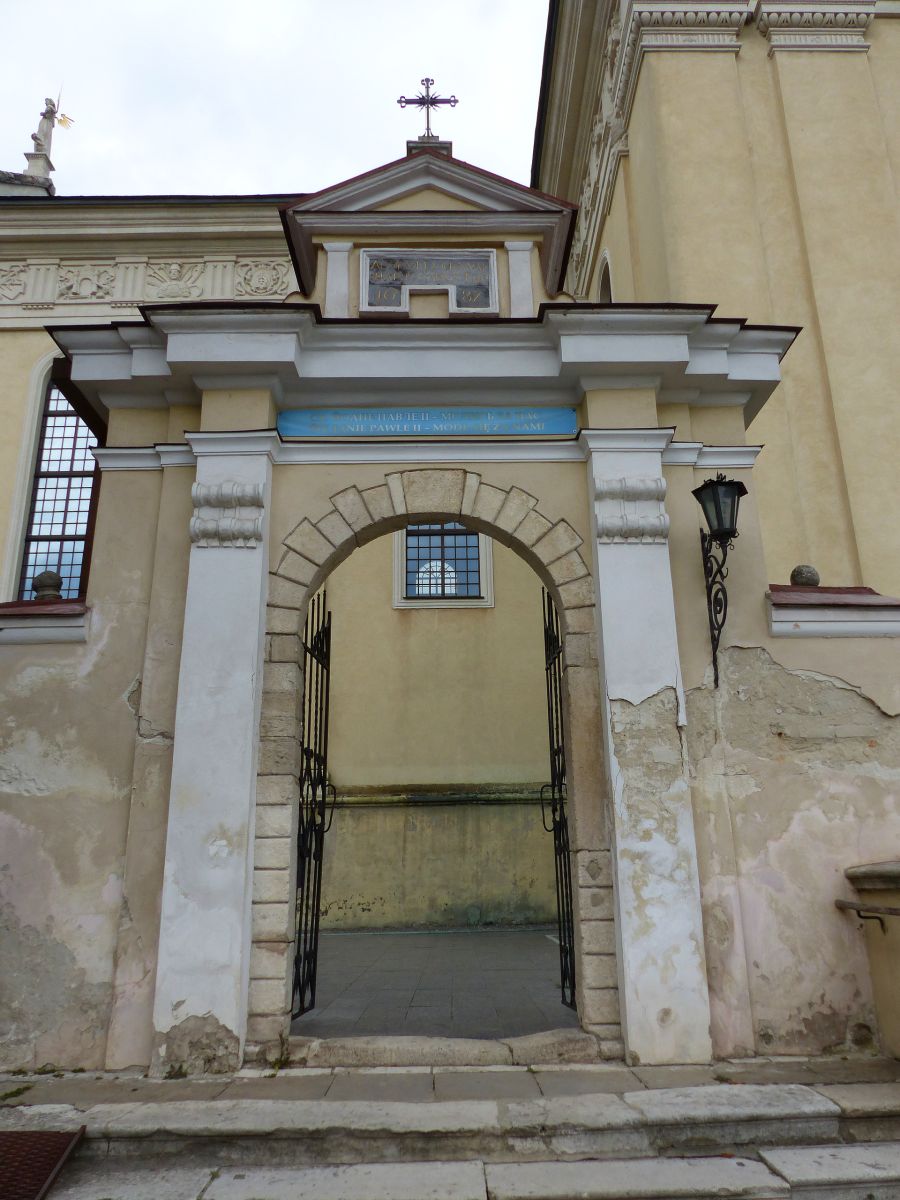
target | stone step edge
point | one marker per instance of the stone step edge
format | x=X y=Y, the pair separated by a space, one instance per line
x=714 y=1118
x=541 y=1049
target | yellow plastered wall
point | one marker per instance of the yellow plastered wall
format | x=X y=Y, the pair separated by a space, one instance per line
x=767 y=184
x=438 y=695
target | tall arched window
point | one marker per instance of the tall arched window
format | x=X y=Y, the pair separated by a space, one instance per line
x=60 y=517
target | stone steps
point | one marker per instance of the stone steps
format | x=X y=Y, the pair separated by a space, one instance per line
x=683 y=1121
x=820 y=1173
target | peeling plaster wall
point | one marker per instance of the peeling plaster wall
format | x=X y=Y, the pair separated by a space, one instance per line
x=68 y=721
x=795 y=777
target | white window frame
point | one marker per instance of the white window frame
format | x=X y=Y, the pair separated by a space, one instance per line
x=365 y=256
x=485 y=575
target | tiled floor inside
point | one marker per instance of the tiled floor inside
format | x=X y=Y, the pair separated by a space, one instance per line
x=491 y=983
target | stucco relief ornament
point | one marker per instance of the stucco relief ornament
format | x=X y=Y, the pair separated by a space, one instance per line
x=86 y=282
x=12 y=282
x=261 y=279
x=175 y=281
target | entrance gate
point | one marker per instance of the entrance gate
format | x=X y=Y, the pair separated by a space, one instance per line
x=558 y=820
x=315 y=816
x=315 y=819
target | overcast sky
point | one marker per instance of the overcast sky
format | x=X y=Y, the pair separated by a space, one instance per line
x=250 y=96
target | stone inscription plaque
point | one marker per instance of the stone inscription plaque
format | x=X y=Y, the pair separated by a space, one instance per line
x=456 y=421
x=467 y=275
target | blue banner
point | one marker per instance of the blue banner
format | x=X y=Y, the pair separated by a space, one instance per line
x=456 y=421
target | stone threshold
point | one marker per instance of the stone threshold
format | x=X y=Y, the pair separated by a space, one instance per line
x=536 y=1049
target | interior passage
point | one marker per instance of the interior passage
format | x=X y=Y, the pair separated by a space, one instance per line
x=480 y=983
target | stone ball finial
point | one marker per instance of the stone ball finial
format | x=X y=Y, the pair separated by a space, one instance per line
x=804 y=576
x=47 y=586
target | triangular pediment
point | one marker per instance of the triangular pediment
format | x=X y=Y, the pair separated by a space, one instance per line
x=427 y=194
x=428 y=170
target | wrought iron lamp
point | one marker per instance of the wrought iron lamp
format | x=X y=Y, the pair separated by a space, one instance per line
x=719 y=498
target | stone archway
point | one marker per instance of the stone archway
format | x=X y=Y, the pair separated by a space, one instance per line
x=311 y=551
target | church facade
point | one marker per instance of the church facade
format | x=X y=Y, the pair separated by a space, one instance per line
x=395 y=507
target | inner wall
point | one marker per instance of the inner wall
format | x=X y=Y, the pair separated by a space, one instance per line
x=437 y=750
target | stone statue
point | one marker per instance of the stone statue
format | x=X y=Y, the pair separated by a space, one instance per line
x=44 y=134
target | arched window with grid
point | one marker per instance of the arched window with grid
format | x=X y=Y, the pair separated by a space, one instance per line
x=60 y=516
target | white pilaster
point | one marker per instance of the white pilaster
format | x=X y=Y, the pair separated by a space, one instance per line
x=200 y=1007
x=337 y=279
x=521 y=292
x=663 y=989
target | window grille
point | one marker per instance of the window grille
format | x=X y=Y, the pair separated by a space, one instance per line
x=442 y=562
x=59 y=522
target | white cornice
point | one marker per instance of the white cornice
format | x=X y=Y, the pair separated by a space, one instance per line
x=709 y=458
x=306 y=363
x=244 y=441
x=841 y=621
x=334 y=453
x=625 y=440
x=127 y=458
x=815 y=24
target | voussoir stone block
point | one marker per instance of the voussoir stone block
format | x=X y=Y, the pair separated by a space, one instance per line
x=577 y=594
x=434 y=491
x=271 y=887
x=470 y=489
x=309 y=542
x=272 y=922
x=378 y=502
x=268 y=996
x=272 y=854
x=556 y=542
x=579 y=620
x=274 y=790
x=297 y=569
x=533 y=527
x=570 y=566
x=281 y=704
x=335 y=528
x=352 y=508
x=282 y=620
x=394 y=484
x=579 y=650
x=515 y=508
x=284 y=592
x=488 y=502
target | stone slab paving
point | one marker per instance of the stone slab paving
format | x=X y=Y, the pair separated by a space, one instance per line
x=481 y=983
x=642 y=1179
x=866 y=1172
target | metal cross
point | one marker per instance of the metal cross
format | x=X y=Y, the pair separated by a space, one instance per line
x=427 y=101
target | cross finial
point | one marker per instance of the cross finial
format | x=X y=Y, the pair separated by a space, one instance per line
x=428 y=101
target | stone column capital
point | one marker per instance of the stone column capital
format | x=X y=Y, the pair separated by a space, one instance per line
x=815 y=24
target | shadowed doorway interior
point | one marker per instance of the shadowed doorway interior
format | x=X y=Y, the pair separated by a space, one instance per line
x=438 y=912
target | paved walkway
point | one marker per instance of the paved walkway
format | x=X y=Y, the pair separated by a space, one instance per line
x=486 y=983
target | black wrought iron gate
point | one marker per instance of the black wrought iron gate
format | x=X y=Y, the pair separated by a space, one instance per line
x=315 y=817
x=559 y=822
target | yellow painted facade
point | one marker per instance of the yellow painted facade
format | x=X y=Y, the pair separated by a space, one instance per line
x=710 y=827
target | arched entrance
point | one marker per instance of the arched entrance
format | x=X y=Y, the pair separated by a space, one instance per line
x=311 y=551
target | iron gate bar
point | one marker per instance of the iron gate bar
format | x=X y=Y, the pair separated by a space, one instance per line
x=559 y=821
x=315 y=812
